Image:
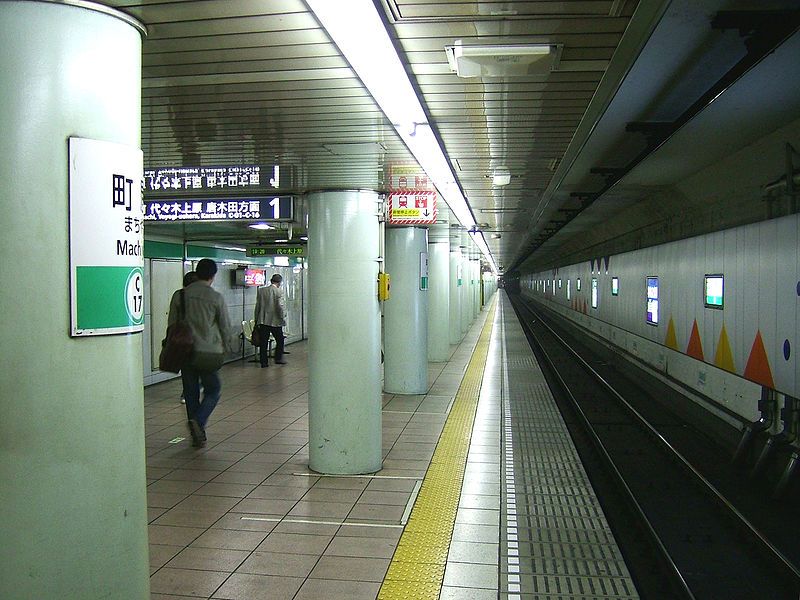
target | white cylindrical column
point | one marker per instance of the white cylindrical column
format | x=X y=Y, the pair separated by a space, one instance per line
x=455 y=292
x=439 y=293
x=344 y=395
x=466 y=308
x=475 y=263
x=405 y=314
x=74 y=511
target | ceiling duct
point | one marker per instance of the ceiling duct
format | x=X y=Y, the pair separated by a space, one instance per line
x=502 y=61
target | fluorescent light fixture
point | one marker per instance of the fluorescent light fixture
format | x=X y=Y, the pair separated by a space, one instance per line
x=501 y=61
x=356 y=28
x=304 y=237
x=355 y=148
x=261 y=226
x=480 y=242
x=501 y=176
x=281 y=241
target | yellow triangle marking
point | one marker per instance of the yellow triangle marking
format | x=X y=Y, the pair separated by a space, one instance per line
x=723 y=358
x=671 y=341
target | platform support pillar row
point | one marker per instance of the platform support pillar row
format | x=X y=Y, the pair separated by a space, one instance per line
x=439 y=293
x=475 y=263
x=344 y=330
x=466 y=308
x=455 y=288
x=405 y=314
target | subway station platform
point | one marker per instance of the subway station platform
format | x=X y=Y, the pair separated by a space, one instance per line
x=481 y=495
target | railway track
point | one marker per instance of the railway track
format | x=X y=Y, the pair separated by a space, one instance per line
x=681 y=536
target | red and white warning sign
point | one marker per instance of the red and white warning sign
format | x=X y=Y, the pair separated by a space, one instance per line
x=412 y=207
x=408 y=176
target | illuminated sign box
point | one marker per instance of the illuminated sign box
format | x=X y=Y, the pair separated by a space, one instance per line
x=714 y=291
x=615 y=286
x=249 y=277
x=652 y=300
x=256 y=251
x=219 y=178
x=275 y=208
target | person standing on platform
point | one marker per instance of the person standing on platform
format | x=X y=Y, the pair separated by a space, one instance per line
x=270 y=318
x=188 y=279
x=204 y=309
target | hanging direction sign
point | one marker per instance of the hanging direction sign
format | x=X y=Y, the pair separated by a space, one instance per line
x=412 y=207
x=282 y=250
x=223 y=178
x=276 y=208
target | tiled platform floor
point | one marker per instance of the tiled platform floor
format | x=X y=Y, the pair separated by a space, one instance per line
x=244 y=518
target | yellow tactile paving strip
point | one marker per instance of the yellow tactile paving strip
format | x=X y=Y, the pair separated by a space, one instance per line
x=417 y=567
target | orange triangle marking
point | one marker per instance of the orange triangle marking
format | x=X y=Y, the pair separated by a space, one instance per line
x=723 y=358
x=757 y=368
x=671 y=340
x=695 y=347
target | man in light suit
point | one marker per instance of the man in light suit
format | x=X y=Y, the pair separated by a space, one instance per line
x=270 y=318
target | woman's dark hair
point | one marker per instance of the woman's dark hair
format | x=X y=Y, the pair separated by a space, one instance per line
x=189 y=278
x=206 y=269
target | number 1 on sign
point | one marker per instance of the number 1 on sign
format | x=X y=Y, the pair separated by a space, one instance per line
x=275 y=203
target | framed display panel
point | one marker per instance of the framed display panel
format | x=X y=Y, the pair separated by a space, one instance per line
x=714 y=291
x=594 y=292
x=652 y=300
x=615 y=286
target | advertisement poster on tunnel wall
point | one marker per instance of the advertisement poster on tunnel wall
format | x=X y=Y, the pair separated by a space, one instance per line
x=106 y=232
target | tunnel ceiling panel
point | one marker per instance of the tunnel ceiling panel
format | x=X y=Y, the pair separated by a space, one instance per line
x=230 y=82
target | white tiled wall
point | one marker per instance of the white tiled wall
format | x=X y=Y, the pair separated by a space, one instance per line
x=241 y=306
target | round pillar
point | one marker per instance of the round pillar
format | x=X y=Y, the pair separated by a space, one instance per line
x=439 y=293
x=74 y=510
x=455 y=293
x=405 y=314
x=475 y=264
x=466 y=308
x=344 y=395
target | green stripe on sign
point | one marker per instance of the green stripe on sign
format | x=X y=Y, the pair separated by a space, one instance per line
x=102 y=297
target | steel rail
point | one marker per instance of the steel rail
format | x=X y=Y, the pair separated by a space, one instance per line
x=606 y=457
x=787 y=564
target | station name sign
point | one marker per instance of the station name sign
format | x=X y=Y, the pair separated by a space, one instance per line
x=274 y=208
x=209 y=178
x=282 y=250
x=105 y=238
